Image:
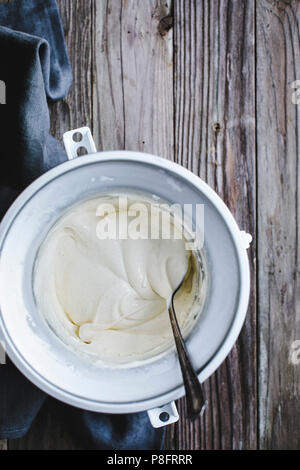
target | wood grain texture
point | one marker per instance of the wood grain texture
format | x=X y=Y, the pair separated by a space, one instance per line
x=133 y=93
x=76 y=109
x=214 y=80
x=278 y=65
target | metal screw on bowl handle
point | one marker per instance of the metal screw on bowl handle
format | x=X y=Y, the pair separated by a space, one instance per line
x=195 y=399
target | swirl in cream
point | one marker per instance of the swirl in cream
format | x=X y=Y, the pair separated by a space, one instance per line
x=108 y=297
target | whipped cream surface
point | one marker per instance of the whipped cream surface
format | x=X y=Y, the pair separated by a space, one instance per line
x=107 y=298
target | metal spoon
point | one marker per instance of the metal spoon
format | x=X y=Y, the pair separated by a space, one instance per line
x=195 y=399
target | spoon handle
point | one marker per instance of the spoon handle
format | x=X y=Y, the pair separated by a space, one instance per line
x=196 y=402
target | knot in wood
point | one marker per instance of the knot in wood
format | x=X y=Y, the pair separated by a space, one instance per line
x=165 y=25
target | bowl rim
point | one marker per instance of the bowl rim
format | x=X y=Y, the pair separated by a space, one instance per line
x=243 y=264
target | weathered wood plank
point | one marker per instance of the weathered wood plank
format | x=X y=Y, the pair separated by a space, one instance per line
x=72 y=112
x=214 y=93
x=278 y=140
x=133 y=93
x=76 y=109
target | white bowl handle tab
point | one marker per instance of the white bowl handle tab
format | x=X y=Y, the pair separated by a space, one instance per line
x=246 y=239
x=79 y=139
x=164 y=415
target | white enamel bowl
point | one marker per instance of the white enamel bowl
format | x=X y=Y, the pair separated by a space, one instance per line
x=41 y=355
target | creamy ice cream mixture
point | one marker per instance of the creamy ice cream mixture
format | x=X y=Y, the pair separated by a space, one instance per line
x=107 y=298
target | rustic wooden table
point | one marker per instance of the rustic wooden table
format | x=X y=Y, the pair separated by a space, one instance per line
x=208 y=84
